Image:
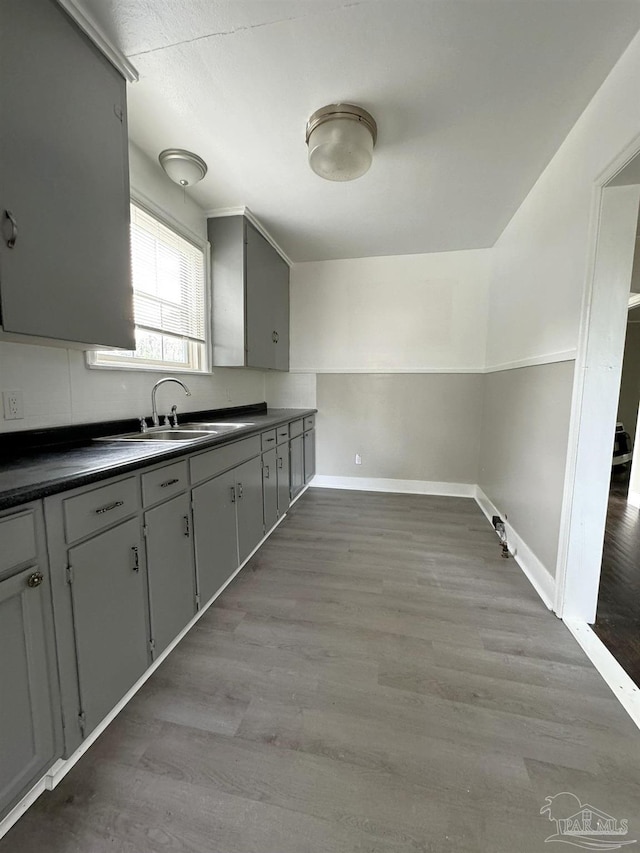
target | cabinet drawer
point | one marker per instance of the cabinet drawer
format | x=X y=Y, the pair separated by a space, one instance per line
x=268 y=439
x=207 y=465
x=94 y=510
x=309 y=422
x=17 y=540
x=282 y=434
x=295 y=428
x=163 y=483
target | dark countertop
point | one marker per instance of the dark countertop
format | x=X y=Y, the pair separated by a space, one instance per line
x=70 y=457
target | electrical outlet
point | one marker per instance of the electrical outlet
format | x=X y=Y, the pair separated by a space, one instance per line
x=358 y=459
x=13 y=406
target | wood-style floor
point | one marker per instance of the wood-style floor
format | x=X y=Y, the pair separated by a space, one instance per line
x=377 y=679
x=618 y=618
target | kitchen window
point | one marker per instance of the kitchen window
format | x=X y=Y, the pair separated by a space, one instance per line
x=169 y=274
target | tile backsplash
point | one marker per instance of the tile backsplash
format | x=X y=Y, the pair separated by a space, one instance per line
x=58 y=388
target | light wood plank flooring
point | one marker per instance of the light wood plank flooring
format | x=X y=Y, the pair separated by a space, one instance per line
x=377 y=679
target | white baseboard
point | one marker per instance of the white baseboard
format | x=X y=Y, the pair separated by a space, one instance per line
x=383 y=484
x=539 y=577
x=623 y=687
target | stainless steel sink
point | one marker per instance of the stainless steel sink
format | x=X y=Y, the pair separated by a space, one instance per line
x=218 y=426
x=183 y=432
x=162 y=435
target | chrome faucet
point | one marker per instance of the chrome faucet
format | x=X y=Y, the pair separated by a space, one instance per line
x=154 y=410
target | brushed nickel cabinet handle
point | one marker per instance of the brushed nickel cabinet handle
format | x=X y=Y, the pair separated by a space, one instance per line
x=240 y=491
x=266 y=472
x=35 y=579
x=11 y=242
x=280 y=462
x=187 y=526
x=169 y=482
x=233 y=494
x=136 y=558
x=109 y=507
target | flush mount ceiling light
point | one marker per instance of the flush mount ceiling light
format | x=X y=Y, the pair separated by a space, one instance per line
x=340 y=138
x=183 y=167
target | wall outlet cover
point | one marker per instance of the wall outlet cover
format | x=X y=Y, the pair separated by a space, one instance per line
x=13 y=405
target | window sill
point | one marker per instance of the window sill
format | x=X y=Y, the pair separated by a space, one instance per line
x=147 y=368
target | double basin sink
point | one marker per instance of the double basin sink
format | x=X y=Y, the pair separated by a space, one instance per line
x=183 y=432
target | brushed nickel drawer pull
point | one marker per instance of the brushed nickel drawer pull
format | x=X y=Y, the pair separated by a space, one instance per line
x=109 y=507
x=169 y=482
x=35 y=579
x=269 y=439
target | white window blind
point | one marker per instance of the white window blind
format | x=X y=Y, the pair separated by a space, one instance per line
x=168 y=279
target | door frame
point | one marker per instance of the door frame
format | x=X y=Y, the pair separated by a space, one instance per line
x=596 y=386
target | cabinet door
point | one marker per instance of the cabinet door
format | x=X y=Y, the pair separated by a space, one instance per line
x=281 y=317
x=261 y=276
x=110 y=618
x=270 y=488
x=309 y=455
x=172 y=594
x=215 y=533
x=27 y=745
x=64 y=178
x=296 y=463
x=249 y=506
x=282 y=465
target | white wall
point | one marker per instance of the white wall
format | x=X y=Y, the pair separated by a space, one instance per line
x=535 y=304
x=400 y=313
x=362 y=330
x=541 y=257
x=57 y=386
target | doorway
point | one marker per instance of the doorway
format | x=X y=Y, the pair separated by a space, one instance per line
x=618 y=615
x=616 y=202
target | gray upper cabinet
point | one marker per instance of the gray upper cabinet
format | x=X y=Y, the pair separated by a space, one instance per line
x=64 y=185
x=250 y=297
x=28 y=742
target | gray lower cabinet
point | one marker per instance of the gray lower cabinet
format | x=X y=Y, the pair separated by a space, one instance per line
x=249 y=506
x=109 y=598
x=296 y=463
x=215 y=532
x=27 y=683
x=282 y=477
x=309 y=455
x=124 y=576
x=270 y=488
x=64 y=182
x=172 y=594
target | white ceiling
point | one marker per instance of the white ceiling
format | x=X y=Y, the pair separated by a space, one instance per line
x=471 y=98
